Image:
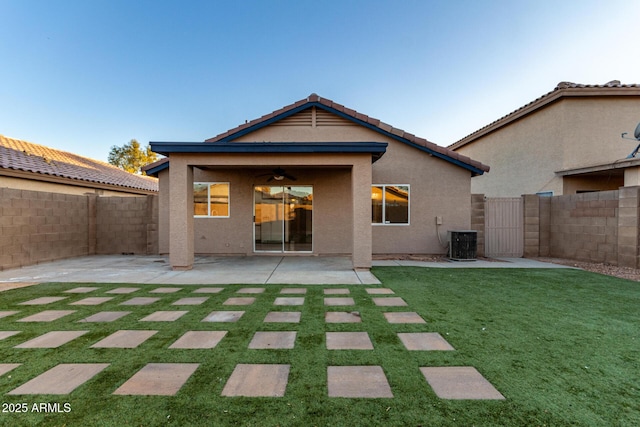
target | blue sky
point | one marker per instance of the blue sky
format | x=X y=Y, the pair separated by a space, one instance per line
x=85 y=75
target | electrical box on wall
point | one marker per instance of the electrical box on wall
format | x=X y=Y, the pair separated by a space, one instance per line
x=438 y=220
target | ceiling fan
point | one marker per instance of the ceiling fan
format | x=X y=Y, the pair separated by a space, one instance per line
x=278 y=174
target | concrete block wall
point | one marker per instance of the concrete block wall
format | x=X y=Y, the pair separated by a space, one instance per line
x=628 y=227
x=38 y=227
x=41 y=226
x=531 y=226
x=477 y=220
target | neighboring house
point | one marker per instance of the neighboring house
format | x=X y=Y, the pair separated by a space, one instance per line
x=28 y=166
x=312 y=178
x=565 y=142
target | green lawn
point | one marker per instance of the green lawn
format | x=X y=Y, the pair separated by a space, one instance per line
x=561 y=345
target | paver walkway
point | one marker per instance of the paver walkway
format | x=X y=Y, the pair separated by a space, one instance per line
x=286 y=311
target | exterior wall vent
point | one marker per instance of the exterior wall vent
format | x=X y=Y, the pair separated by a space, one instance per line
x=463 y=245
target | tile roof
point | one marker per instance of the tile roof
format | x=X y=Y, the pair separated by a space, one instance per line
x=25 y=156
x=356 y=116
x=562 y=89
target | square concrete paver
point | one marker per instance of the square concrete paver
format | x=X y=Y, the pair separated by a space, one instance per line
x=459 y=382
x=164 y=290
x=61 y=379
x=208 y=290
x=239 y=301
x=164 y=316
x=283 y=317
x=298 y=291
x=42 y=300
x=92 y=301
x=7 y=334
x=289 y=301
x=158 y=379
x=357 y=381
x=7 y=313
x=348 y=341
x=199 y=339
x=342 y=317
x=140 y=301
x=223 y=316
x=336 y=291
x=379 y=291
x=191 y=301
x=403 y=317
x=53 y=339
x=338 y=301
x=120 y=291
x=47 y=316
x=424 y=341
x=273 y=340
x=81 y=290
x=389 y=302
x=6 y=367
x=124 y=339
x=251 y=290
x=257 y=381
x=105 y=316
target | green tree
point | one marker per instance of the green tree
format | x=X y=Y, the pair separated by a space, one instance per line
x=131 y=157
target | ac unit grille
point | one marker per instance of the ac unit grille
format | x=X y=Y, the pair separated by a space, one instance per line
x=463 y=245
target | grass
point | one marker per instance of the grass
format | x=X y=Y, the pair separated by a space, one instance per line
x=561 y=345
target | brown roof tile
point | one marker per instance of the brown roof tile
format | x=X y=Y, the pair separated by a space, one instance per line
x=25 y=156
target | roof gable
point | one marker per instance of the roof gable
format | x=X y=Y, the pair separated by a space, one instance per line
x=24 y=156
x=347 y=114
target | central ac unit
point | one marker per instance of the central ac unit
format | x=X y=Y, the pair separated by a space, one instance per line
x=463 y=245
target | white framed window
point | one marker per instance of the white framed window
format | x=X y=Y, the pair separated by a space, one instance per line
x=211 y=199
x=390 y=204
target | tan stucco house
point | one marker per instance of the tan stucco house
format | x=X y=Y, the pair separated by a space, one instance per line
x=312 y=178
x=567 y=141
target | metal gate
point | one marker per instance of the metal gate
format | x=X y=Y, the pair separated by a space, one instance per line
x=504 y=235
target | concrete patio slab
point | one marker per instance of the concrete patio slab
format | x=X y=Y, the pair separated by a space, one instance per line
x=191 y=301
x=53 y=339
x=289 y=301
x=208 y=290
x=427 y=341
x=105 y=316
x=7 y=313
x=403 y=317
x=140 y=301
x=257 y=380
x=338 y=301
x=42 y=301
x=62 y=379
x=122 y=291
x=81 y=290
x=223 y=316
x=348 y=341
x=158 y=379
x=389 y=302
x=164 y=316
x=7 y=334
x=283 y=317
x=92 y=301
x=165 y=290
x=199 y=340
x=379 y=291
x=6 y=367
x=47 y=316
x=124 y=339
x=239 y=301
x=333 y=291
x=273 y=340
x=460 y=383
x=251 y=290
x=358 y=382
x=294 y=291
x=342 y=317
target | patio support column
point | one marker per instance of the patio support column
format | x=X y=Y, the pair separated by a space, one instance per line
x=181 y=244
x=361 y=193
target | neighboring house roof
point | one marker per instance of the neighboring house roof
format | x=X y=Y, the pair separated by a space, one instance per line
x=45 y=162
x=562 y=90
x=314 y=100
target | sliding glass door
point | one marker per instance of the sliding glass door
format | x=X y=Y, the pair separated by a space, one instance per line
x=283 y=218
